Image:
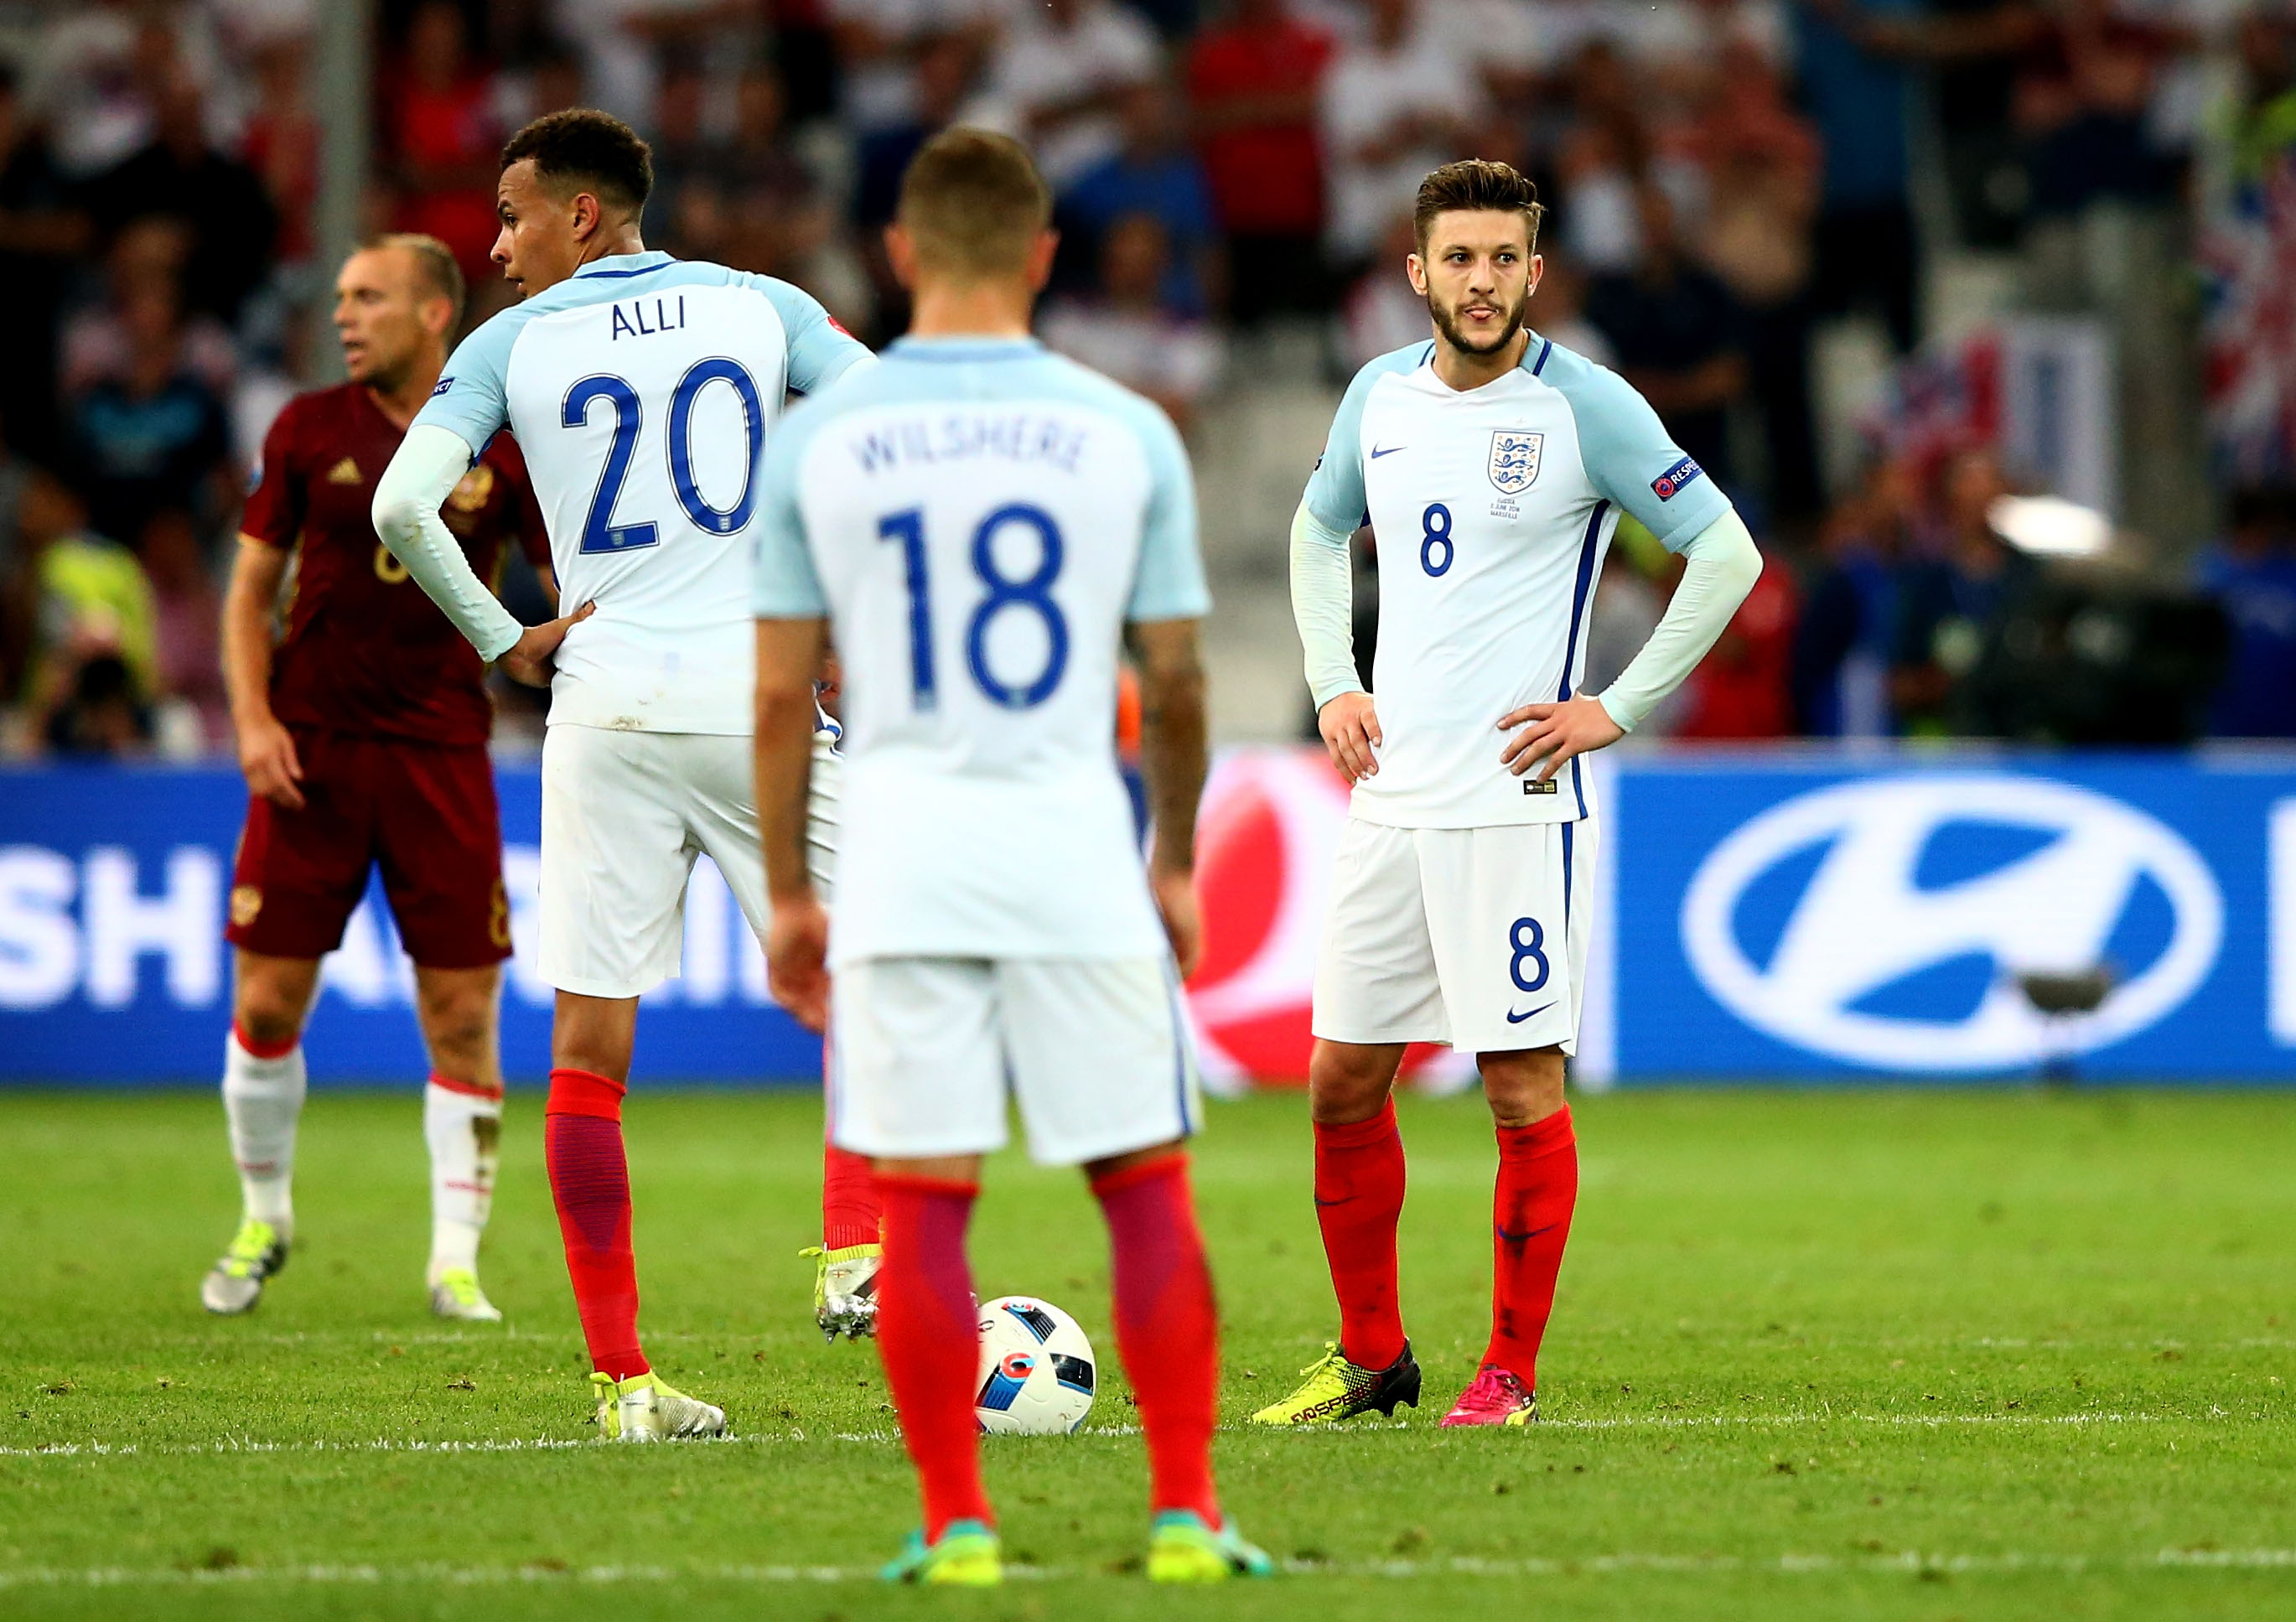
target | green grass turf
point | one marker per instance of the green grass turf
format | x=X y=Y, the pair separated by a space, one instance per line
x=1866 y=1354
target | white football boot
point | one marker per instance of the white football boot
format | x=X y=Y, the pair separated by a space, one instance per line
x=642 y=1408
x=235 y=1284
x=456 y=1294
x=845 y=1290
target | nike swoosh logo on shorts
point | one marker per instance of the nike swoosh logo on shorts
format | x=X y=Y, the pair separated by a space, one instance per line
x=1376 y=453
x=1517 y=1019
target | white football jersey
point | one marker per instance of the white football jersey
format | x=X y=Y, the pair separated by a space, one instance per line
x=1491 y=510
x=979 y=519
x=641 y=389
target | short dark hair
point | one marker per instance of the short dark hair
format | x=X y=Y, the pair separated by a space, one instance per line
x=434 y=266
x=1475 y=185
x=590 y=150
x=974 y=201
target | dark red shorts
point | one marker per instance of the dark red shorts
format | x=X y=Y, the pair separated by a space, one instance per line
x=424 y=811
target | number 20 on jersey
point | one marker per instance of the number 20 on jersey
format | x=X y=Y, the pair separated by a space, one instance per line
x=600 y=532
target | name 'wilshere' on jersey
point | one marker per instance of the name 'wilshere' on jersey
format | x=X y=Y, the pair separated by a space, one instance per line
x=1022 y=510
x=982 y=524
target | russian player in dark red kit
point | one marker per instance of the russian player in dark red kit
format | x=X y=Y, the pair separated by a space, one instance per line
x=363 y=732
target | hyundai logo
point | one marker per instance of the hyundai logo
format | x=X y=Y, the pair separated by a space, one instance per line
x=1881 y=922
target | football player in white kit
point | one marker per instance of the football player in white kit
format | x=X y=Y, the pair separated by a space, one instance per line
x=985 y=524
x=1492 y=466
x=641 y=389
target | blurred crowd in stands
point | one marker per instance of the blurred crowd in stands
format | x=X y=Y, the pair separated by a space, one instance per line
x=1726 y=176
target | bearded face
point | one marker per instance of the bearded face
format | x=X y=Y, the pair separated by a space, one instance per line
x=1477 y=272
x=1480 y=323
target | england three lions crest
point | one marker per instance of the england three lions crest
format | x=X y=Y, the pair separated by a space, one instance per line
x=1514 y=461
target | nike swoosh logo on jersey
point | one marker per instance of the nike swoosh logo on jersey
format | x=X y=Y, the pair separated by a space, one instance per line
x=1376 y=453
x=1517 y=1019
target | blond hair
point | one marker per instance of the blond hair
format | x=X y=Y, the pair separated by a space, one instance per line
x=435 y=266
x=974 y=203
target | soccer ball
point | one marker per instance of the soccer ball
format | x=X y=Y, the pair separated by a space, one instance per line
x=1036 y=1369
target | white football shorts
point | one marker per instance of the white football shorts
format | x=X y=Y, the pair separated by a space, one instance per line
x=624 y=813
x=1095 y=1051
x=1473 y=936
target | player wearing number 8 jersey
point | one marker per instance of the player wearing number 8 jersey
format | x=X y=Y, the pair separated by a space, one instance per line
x=642 y=390
x=1492 y=467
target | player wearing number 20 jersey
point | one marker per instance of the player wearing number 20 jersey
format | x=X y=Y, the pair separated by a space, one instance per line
x=643 y=389
x=646 y=385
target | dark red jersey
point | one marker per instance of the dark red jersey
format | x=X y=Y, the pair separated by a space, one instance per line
x=365 y=652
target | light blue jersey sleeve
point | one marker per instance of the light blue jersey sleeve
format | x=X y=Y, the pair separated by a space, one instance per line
x=1627 y=453
x=1170 y=584
x=820 y=351
x=473 y=397
x=1335 y=489
x=783 y=584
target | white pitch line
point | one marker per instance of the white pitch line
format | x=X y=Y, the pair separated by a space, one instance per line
x=1928 y=1421
x=231 y=1446
x=228 y=1445
x=1908 y=1562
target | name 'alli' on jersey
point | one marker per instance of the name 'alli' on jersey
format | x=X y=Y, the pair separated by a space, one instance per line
x=642 y=390
x=631 y=319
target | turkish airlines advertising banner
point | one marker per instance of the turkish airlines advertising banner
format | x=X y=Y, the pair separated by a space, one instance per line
x=1758 y=916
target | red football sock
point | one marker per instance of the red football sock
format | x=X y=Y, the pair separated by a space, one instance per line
x=590 y=1180
x=1167 y=1327
x=929 y=1340
x=264 y=1050
x=849 y=1199
x=1530 y=1221
x=1358 y=1201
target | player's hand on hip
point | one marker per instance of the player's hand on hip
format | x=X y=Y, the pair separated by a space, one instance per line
x=267 y=754
x=1176 y=899
x=1349 y=723
x=797 y=956
x=1552 y=734
x=531 y=657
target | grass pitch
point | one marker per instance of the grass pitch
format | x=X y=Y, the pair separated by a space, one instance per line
x=1873 y=1355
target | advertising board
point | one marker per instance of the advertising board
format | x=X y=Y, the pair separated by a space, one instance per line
x=1785 y=915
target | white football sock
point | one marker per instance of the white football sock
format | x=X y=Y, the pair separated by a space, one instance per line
x=262 y=1101
x=465 y=1132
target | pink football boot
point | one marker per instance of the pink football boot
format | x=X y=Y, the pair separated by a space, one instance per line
x=1493 y=1398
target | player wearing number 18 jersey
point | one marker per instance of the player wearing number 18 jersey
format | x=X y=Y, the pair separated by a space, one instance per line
x=1492 y=466
x=642 y=390
x=984 y=523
